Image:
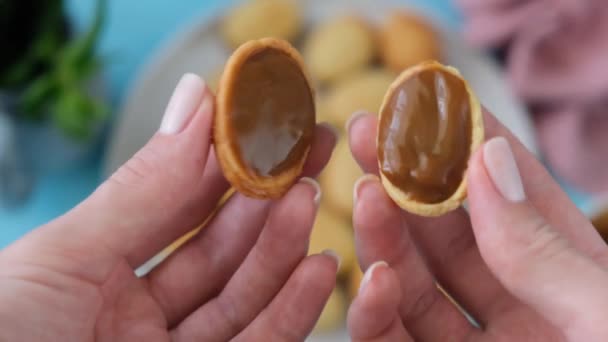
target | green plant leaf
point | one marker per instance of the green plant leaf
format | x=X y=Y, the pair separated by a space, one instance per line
x=70 y=115
x=78 y=55
x=37 y=96
x=62 y=92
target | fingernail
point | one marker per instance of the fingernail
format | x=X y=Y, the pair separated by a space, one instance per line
x=359 y=185
x=334 y=255
x=370 y=273
x=330 y=128
x=502 y=168
x=353 y=118
x=316 y=186
x=185 y=101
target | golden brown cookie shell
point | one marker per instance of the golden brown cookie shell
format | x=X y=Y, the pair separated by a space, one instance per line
x=257 y=19
x=403 y=199
x=338 y=48
x=332 y=231
x=230 y=160
x=338 y=179
x=361 y=91
x=406 y=39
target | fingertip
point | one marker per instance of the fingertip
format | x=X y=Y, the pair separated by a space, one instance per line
x=293 y=215
x=376 y=305
x=373 y=206
x=320 y=271
x=361 y=182
x=329 y=128
x=369 y=274
x=494 y=186
x=354 y=118
x=316 y=188
x=184 y=103
x=303 y=196
x=476 y=177
x=378 y=224
x=335 y=256
x=362 y=141
x=322 y=147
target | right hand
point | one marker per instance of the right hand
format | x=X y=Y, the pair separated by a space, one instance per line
x=526 y=263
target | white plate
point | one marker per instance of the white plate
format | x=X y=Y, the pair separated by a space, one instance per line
x=200 y=50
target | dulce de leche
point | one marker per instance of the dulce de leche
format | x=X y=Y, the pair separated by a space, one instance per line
x=265 y=118
x=430 y=124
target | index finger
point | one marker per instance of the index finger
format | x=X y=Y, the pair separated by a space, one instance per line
x=542 y=190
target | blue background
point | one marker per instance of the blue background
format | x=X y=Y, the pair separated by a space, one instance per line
x=134 y=30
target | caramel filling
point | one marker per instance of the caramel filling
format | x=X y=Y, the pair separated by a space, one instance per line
x=425 y=135
x=272 y=112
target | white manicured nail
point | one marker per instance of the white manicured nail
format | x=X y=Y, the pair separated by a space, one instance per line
x=316 y=186
x=367 y=277
x=359 y=184
x=188 y=96
x=334 y=255
x=502 y=169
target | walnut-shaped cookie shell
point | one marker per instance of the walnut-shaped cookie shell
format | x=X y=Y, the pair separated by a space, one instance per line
x=265 y=118
x=430 y=124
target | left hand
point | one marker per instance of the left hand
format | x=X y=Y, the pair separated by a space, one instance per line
x=245 y=275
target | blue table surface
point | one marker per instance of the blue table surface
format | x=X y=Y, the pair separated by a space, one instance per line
x=133 y=32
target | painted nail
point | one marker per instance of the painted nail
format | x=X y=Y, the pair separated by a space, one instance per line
x=353 y=118
x=185 y=102
x=502 y=168
x=360 y=183
x=334 y=255
x=316 y=186
x=367 y=277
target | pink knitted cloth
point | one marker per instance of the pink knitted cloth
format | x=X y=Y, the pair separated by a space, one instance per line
x=557 y=61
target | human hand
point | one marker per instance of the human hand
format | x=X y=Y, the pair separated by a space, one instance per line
x=525 y=262
x=244 y=276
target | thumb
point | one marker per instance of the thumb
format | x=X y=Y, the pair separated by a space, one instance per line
x=529 y=256
x=167 y=188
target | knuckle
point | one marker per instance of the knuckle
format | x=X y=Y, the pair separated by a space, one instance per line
x=137 y=169
x=422 y=304
x=285 y=331
x=228 y=311
x=458 y=245
x=541 y=244
x=159 y=160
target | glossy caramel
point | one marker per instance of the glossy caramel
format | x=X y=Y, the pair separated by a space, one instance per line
x=271 y=109
x=424 y=137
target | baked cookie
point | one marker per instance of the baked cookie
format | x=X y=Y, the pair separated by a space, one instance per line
x=354 y=281
x=338 y=48
x=265 y=118
x=332 y=231
x=256 y=19
x=338 y=180
x=363 y=90
x=430 y=124
x=407 y=39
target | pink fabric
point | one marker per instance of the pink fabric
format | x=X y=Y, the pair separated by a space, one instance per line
x=557 y=60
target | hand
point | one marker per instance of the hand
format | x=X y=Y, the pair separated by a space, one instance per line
x=244 y=276
x=525 y=262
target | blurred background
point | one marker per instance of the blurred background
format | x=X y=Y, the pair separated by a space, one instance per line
x=83 y=85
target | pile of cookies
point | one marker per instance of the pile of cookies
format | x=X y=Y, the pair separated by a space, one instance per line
x=352 y=63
